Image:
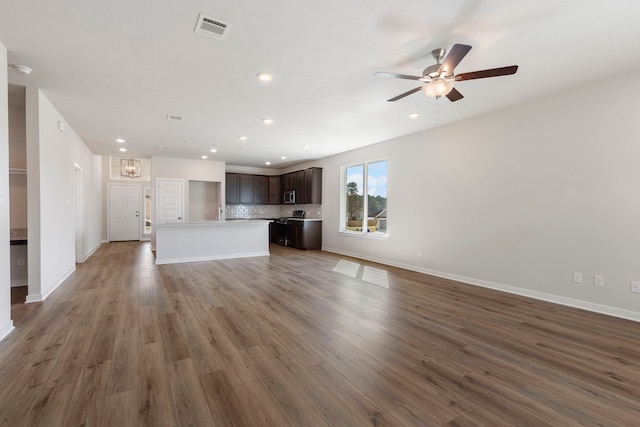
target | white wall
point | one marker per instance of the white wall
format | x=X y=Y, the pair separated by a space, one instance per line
x=517 y=199
x=186 y=169
x=51 y=155
x=17 y=137
x=6 y=325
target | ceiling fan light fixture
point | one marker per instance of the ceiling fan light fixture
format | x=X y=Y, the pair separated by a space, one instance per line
x=437 y=88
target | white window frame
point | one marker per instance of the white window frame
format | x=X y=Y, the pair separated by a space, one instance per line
x=365 y=199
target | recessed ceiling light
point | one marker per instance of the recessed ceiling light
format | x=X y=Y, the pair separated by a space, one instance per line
x=283 y=157
x=267 y=163
x=243 y=137
x=305 y=146
x=119 y=140
x=267 y=121
x=214 y=150
x=162 y=147
x=123 y=149
x=265 y=77
x=188 y=142
x=414 y=115
x=204 y=157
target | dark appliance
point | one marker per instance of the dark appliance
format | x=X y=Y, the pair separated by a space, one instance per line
x=290 y=197
x=281 y=227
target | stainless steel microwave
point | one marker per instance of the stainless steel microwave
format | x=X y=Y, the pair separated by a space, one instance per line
x=290 y=197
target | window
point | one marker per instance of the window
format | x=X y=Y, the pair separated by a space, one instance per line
x=365 y=191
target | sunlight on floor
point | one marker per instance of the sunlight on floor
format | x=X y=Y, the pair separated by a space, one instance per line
x=375 y=276
x=347 y=268
x=371 y=275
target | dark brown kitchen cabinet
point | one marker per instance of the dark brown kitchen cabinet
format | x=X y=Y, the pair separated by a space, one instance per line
x=268 y=190
x=232 y=187
x=313 y=186
x=306 y=235
x=275 y=190
x=246 y=189
x=289 y=181
x=301 y=196
x=259 y=190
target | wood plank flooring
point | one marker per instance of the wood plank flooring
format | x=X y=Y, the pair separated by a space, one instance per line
x=286 y=341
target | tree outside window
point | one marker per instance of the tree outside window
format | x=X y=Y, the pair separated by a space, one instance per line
x=365 y=190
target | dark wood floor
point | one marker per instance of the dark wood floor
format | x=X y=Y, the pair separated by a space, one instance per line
x=284 y=340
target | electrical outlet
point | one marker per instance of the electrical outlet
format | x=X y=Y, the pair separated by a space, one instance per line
x=419 y=252
x=635 y=287
x=577 y=277
x=598 y=281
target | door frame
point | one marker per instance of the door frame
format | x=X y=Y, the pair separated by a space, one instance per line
x=117 y=184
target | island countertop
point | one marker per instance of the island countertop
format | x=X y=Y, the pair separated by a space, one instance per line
x=213 y=222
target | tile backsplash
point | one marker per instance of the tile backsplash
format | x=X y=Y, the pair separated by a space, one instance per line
x=271 y=211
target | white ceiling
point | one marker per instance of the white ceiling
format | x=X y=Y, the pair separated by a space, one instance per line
x=117 y=68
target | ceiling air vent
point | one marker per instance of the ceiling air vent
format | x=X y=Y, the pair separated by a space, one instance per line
x=174 y=118
x=210 y=27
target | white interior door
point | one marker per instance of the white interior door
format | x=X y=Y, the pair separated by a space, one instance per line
x=169 y=200
x=124 y=212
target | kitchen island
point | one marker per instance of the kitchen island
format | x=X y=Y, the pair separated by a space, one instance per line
x=210 y=240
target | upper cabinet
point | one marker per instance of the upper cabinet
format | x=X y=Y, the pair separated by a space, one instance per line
x=232 y=188
x=313 y=186
x=260 y=190
x=275 y=190
x=246 y=189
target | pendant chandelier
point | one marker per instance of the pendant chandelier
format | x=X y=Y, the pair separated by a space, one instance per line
x=130 y=168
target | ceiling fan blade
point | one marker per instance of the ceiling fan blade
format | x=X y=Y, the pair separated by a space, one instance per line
x=493 y=72
x=454 y=95
x=404 y=94
x=453 y=58
x=396 y=76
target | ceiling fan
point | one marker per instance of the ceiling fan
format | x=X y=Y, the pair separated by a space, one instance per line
x=439 y=78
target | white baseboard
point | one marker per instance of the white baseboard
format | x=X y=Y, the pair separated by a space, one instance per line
x=570 y=302
x=42 y=296
x=34 y=298
x=6 y=329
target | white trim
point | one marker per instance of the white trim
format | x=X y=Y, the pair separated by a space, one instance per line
x=6 y=329
x=34 y=298
x=212 y=257
x=42 y=296
x=570 y=302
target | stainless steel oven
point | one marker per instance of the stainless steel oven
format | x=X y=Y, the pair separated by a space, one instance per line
x=282 y=226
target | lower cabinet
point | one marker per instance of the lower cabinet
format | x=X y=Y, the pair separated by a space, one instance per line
x=305 y=234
